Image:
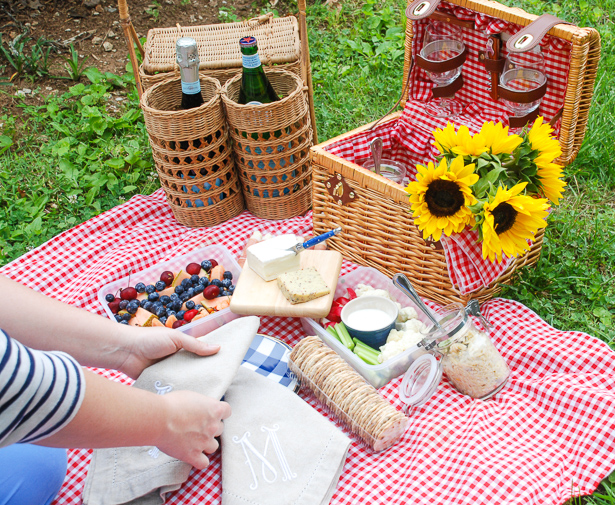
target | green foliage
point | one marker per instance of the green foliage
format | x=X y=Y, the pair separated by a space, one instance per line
x=32 y=62
x=227 y=14
x=73 y=158
x=74 y=68
x=154 y=10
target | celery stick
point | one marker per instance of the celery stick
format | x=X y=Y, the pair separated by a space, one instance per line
x=341 y=330
x=365 y=348
x=366 y=356
x=331 y=330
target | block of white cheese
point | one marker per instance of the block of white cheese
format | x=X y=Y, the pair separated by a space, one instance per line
x=271 y=258
x=302 y=285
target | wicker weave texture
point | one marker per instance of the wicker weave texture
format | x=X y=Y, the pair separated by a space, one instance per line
x=271 y=144
x=218 y=44
x=379 y=230
x=191 y=149
x=584 y=59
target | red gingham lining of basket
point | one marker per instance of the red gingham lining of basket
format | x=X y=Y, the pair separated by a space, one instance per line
x=550 y=429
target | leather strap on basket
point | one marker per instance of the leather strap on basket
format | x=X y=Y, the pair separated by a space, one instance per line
x=448 y=90
x=442 y=66
x=420 y=9
x=521 y=121
x=523 y=96
x=530 y=36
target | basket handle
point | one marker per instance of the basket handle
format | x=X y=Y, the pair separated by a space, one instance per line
x=131 y=39
x=529 y=37
x=306 y=69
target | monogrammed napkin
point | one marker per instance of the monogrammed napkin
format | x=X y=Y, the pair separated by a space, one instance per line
x=276 y=449
x=145 y=475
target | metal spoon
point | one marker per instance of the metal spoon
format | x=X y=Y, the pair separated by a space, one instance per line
x=376 y=146
x=402 y=282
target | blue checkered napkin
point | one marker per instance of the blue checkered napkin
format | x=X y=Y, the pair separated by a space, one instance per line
x=269 y=357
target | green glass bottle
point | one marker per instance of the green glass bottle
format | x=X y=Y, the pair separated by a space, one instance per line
x=255 y=87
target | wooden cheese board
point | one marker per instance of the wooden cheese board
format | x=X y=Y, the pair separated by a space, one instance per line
x=256 y=297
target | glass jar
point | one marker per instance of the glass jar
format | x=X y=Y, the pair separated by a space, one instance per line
x=464 y=353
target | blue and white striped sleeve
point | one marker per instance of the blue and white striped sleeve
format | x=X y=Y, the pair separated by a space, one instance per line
x=40 y=392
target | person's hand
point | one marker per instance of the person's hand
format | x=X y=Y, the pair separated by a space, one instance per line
x=146 y=346
x=192 y=423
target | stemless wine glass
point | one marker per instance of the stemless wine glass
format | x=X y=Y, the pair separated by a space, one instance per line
x=443 y=42
x=523 y=72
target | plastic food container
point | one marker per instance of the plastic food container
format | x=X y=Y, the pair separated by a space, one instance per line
x=150 y=275
x=376 y=375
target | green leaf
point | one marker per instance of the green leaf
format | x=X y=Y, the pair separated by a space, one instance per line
x=604 y=315
x=5 y=143
x=89 y=198
x=128 y=189
x=116 y=163
x=94 y=75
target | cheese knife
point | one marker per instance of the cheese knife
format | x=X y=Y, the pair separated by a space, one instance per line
x=302 y=246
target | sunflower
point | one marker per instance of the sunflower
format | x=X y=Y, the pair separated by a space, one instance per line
x=510 y=220
x=460 y=143
x=541 y=140
x=497 y=140
x=440 y=197
x=550 y=178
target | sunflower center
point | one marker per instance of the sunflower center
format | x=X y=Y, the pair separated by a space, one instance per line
x=444 y=198
x=504 y=216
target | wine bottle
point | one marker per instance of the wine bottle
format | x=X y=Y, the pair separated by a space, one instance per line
x=255 y=87
x=188 y=61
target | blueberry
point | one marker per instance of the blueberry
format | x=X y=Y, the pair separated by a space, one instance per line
x=224 y=292
x=180 y=314
x=150 y=288
x=227 y=283
x=177 y=306
x=198 y=289
x=153 y=297
x=190 y=293
x=118 y=317
x=195 y=279
x=171 y=313
x=165 y=299
x=174 y=296
x=163 y=319
x=179 y=289
x=161 y=312
x=123 y=322
x=148 y=306
x=184 y=297
x=190 y=304
x=132 y=308
x=127 y=317
x=217 y=282
x=110 y=298
x=140 y=287
x=206 y=265
x=231 y=289
x=160 y=285
x=227 y=275
x=186 y=283
x=204 y=281
x=123 y=304
x=143 y=302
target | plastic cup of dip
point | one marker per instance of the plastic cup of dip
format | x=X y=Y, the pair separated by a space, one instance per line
x=370 y=319
x=391 y=169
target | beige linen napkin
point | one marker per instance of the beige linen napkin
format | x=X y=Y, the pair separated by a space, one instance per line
x=276 y=449
x=145 y=475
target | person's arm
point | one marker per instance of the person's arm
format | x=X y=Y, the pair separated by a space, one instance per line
x=43 y=323
x=182 y=424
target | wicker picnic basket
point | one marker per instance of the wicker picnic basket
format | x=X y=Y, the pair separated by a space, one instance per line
x=377 y=224
x=272 y=147
x=192 y=152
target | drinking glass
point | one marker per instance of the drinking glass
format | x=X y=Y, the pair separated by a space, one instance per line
x=443 y=42
x=523 y=72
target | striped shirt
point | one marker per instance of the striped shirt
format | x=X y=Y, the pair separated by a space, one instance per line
x=40 y=392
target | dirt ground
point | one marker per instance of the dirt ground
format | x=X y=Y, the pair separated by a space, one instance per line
x=94 y=28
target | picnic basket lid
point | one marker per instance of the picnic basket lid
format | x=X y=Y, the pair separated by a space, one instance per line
x=218 y=44
x=580 y=76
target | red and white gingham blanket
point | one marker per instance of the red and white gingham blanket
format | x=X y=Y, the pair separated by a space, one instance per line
x=550 y=431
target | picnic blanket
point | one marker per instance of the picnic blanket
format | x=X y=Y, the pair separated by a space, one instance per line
x=548 y=435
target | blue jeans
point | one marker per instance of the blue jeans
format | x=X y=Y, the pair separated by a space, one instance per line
x=31 y=474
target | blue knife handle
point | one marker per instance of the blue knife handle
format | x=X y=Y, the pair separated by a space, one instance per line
x=321 y=238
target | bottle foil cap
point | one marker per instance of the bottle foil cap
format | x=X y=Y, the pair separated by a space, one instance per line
x=187 y=52
x=247 y=41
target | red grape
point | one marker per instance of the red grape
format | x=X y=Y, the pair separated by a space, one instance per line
x=214 y=263
x=114 y=306
x=211 y=292
x=167 y=277
x=193 y=269
x=129 y=293
x=178 y=323
x=190 y=314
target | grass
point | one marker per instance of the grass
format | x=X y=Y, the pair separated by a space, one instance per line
x=77 y=155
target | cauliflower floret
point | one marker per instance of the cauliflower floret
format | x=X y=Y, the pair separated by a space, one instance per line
x=415 y=325
x=364 y=289
x=405 y=314
x=398 y=342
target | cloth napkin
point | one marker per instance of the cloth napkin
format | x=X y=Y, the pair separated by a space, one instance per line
x=145 y=475
x=467 y=269
x=276 y=449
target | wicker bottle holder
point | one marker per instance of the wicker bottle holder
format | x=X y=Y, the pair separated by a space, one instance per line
x=191 y=149
x=272 y=144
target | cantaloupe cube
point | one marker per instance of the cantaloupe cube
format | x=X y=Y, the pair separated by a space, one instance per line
x=217 y=272
x=170 y=320
x=156 y=322
x=219 y=303
x=142 y=318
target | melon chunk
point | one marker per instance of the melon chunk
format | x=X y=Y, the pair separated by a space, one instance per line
x=156 y=322
x=219 y=303
x=170 y=320
x=217 y=272
x=142 y=318
x=181 y=275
